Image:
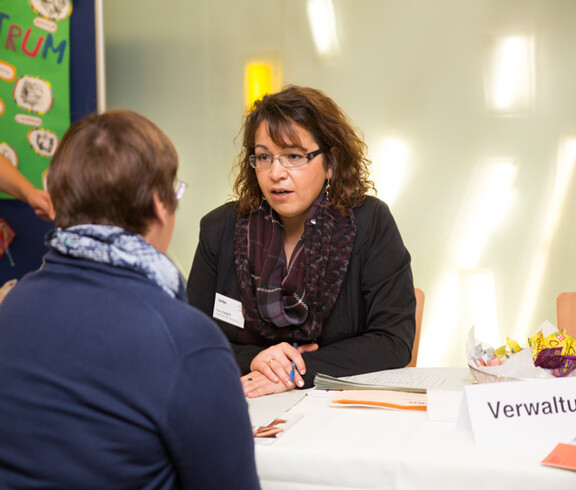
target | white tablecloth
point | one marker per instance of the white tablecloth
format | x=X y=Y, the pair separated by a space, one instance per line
x=353 y=448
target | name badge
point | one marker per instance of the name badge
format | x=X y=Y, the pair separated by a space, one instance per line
x=228 y=310
x=541 y=410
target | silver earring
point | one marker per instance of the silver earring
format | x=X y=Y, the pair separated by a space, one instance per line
x=327 y=190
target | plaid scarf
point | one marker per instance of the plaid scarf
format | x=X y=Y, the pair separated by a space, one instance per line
x=290 y=302
x=117 y=247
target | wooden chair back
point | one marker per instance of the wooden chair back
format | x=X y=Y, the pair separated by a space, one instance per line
x=420 y=296
x=566 y=312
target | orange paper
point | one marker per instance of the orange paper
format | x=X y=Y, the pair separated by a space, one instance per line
x=562 y=456
x=396 y=400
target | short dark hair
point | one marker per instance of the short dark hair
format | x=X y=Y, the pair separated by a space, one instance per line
x=107 y=169
x=343 y=145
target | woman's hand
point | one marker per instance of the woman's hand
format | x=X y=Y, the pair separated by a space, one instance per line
x=255 y=384
x=275 y=363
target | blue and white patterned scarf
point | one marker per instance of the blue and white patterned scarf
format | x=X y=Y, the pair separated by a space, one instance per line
x=117 y=247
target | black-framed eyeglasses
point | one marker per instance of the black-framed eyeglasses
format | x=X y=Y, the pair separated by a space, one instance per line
x=292 y=159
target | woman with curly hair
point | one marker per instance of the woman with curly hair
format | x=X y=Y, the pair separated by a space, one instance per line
x=305 y=272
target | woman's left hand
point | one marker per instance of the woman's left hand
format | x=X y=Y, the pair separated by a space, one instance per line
x=256 y=384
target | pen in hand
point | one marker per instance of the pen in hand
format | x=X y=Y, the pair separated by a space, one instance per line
x=293 y=366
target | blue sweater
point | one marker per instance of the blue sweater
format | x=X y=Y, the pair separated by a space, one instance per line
x=106 y=382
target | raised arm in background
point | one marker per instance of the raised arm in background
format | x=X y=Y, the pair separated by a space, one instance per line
x=14 y=183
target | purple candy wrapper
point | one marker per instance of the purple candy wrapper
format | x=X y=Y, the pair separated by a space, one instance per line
x=558 y=364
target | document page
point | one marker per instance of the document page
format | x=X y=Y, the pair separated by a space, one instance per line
x=416 y=380
x=265 y=409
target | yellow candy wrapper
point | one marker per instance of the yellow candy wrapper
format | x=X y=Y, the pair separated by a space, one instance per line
x=513 y=346
x=558 y=339
x=501 y=352
x=549 y=353
x=571 y=348
x=535 y=343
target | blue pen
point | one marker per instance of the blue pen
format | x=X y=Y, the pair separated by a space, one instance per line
x=293 y=366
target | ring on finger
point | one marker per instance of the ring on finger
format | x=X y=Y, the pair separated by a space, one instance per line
x=250 y=380
x=270 y=361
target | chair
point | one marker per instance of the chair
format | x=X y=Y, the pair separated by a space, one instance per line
x=566 y=312
x=419 y=311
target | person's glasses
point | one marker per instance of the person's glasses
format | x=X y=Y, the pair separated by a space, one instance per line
x=288 y=160
x=179 y=188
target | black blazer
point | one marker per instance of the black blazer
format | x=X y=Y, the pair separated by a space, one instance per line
x=370 y=328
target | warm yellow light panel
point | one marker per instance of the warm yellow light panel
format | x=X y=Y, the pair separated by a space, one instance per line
x=259 y=79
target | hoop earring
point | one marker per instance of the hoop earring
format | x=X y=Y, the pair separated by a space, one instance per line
x=327 y=190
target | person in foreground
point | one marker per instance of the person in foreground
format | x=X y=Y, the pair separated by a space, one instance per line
x=108 y=378
x=14 y=183
x=318 y=265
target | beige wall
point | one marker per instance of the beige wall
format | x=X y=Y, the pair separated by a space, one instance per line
x=412 y=74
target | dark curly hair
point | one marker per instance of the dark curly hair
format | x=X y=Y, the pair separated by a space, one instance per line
x=312 y=110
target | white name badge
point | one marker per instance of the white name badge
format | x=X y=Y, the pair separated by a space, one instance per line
x=542 y=410
x=228 y=310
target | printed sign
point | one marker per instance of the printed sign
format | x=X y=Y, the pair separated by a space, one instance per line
x=34 y=82
x=522 y=411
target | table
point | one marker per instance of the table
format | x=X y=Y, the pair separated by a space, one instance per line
x=367 y=448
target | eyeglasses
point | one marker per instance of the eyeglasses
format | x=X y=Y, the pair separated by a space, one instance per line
x=179 y=188
x=288 y=160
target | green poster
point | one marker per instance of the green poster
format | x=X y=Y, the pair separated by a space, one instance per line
x=34 y=82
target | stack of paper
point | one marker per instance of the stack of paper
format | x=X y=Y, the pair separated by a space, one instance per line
x=413 y=380
x=395 y=400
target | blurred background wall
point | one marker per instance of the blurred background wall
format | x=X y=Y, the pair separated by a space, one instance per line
x=468 y=109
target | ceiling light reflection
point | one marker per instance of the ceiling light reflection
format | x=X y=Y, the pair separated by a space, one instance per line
x=440 y=332
x=389 y=168
x=322 y=22
x=488 y=203
x=481 y=302
x=510 y=86
x=564 y=170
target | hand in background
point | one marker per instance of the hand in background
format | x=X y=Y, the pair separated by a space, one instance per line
x=41 y=203
x=14 y=183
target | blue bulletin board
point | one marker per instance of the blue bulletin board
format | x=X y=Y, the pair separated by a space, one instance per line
x=27 y=248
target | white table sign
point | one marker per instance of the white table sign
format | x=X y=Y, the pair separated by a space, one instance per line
x=541 y=410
